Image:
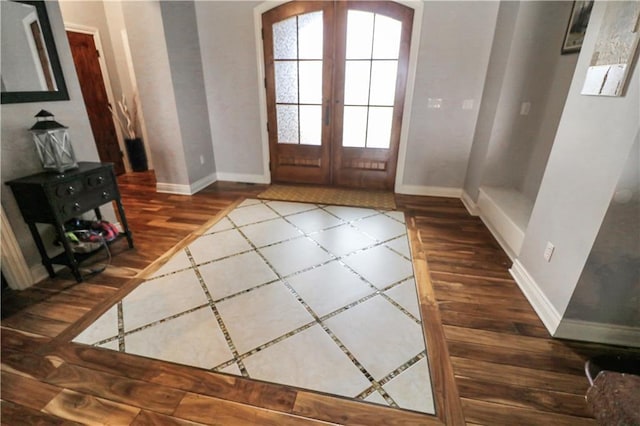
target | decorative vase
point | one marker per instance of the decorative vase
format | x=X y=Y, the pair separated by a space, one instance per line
x=137 y=155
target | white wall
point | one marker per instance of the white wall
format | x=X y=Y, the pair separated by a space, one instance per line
x=591 y=146
x=19 y=157
x=453 y=57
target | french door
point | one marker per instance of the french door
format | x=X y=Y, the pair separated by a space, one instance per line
x=335 y=79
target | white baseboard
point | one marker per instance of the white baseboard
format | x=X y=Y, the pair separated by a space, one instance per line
x=173 y=188
x=506 y=231
x=430 y=191
x=469 y=204
x=243 y=177
x=182 y=189
x=200 y=184
x=538 y=300
x=612 y=334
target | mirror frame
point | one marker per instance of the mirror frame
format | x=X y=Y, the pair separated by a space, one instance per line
x=59 y=95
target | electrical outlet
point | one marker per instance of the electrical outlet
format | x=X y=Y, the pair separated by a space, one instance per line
x=467 y=104
x=548 y=251
x=201 y=159
x=525 y=108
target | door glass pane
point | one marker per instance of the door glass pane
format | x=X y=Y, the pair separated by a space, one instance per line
x=356 y=82
x=285 y=39
x=287 y=116
x=286 y=81
x=298 y=55
x=310 y=124
x=371 y=70
x=354 y=127
x=386 y=40
x=379 y=129
x=383 y=82
x=310 y=82
x=359 y=34
x=310 y=34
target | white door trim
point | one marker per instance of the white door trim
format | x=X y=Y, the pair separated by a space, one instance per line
x=14 y=265
x=417 y=7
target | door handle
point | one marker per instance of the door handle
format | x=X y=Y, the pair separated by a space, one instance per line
x=326 y=115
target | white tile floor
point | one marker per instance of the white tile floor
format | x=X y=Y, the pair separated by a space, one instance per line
x=313 y=296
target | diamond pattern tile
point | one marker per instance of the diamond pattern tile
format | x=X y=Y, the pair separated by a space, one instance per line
x=160 y=298
x=380 y=266
x=370 y=327
x=315 y=220
x=270 y=232
x=303 y=360
x=342 y=240
x=294 y=256
x=217 y=246
x=235 y=274
x=262 y=315
x=289 y=293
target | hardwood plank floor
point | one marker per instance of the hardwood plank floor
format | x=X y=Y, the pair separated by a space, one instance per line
x=492 y=360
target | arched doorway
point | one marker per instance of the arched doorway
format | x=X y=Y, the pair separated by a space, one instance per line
x=335 y=78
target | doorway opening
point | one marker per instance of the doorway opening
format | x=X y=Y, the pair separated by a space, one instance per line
x=336 y=78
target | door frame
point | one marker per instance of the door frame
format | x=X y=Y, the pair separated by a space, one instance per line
x=417 y=7
x=95 y=33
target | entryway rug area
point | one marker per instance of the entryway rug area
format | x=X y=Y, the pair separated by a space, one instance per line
x=313 y=296
x=334 y=196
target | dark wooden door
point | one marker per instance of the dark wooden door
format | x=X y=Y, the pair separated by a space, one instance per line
x=85 y=58
x=336 y=76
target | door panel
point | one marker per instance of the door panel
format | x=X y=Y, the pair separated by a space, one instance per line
x=372 y=56
x=298 y=67
x=335 y=78
x=85 y=58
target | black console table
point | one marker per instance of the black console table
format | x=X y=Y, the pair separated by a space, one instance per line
x=55 y=198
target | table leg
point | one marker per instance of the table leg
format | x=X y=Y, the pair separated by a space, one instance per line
x=125 y=225
x=71 y=259
x=43 y=252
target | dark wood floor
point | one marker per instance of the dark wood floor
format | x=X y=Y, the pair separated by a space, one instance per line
x=492 y=360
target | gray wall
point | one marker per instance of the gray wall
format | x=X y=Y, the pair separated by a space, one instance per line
x=453 y=57
x=183 y=48
x=19 y=157
x=227 y=42
x=151 y=64
x=608 y=290
x=591 y=146
x=526 y=66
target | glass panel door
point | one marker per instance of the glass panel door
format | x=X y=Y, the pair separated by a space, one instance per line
x=335 y=80
x=298 y=83
x=371 y=61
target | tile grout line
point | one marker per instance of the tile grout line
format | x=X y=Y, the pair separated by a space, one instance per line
x=386 y=379
x=121 y=342
x=237 y=358
x=216 y=313
x=327 y=330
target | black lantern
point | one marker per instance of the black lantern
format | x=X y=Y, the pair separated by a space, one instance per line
x=53 y=143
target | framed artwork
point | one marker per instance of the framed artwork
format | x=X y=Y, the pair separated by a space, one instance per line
x=614 y=51
x=577 y=26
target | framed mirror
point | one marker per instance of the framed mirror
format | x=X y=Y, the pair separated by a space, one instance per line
x=31 y=70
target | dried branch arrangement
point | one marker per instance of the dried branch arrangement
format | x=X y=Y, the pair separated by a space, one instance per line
x=129 y=117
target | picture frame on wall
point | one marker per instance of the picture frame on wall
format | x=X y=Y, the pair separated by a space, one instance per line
x=614 y=52
x=577 y=26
